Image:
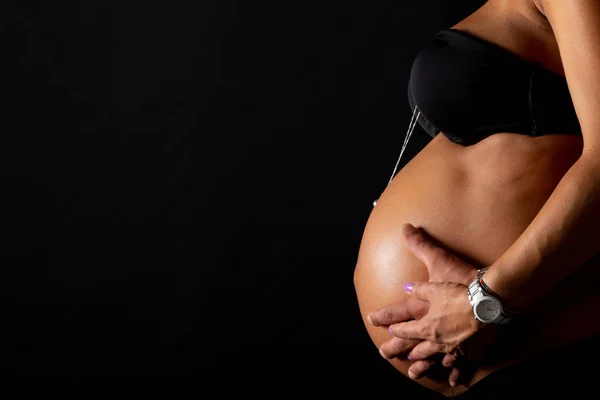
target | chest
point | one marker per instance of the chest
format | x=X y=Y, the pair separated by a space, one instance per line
x=519 y=27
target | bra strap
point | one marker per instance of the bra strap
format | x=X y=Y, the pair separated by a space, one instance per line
x=411 y=127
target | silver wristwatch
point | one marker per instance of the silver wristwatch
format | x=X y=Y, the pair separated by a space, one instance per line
x=486 y=307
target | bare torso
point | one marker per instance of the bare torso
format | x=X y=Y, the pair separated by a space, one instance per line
x=476 y=200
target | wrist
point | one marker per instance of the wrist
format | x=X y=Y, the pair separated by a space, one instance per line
x=484 y=280
x=470 y=276
x=487 y=308
x=508 y=310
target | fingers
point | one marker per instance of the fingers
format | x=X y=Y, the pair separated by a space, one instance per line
x=461 y=366
x=388 y=315
x=424 y=248
x=413 y=308
x=426 y=349
x=409 y=330
x=454 y=376
x=396 y=347
x=449 y=360
x=421 y=290
x=416 y=308
x=419 y=368
x=442 y=265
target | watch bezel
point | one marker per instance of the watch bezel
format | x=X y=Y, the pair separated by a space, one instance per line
x=493 y=300
x=477 y=294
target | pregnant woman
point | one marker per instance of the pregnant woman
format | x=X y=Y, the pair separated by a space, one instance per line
x=510 y=181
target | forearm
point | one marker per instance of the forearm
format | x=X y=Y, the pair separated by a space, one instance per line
x=561 y=238
x=563 y=321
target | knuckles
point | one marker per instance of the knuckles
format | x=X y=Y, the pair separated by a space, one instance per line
x=418 y=239
x=389 y=316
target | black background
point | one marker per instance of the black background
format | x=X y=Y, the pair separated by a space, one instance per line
x=185 y=186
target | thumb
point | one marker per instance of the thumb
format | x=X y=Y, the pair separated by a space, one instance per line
x=441 y=264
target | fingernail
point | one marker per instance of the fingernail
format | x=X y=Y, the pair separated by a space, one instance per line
x=408 y=287
x=409 y=357
x=382 y=354
x=369 y=319
x=452 y=383
x=411 y=375
x=407 y=228
x=390 y=330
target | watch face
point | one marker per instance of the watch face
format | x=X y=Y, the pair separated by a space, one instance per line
x=488 y=309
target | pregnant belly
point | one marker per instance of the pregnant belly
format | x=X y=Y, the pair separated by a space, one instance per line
x=475 y=200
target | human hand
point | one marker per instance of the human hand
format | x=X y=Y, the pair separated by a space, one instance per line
x=448 y=323
x=448 y=328
x=424 y=337
x=442 y=266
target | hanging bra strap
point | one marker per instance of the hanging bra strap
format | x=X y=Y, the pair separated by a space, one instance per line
x=411 y=127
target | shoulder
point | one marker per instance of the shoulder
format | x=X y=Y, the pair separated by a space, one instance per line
x=576 y=28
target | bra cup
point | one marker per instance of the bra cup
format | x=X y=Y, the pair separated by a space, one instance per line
x=469 y=89
x=552 y=106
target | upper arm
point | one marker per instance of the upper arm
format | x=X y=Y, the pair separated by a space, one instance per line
x=576 y=27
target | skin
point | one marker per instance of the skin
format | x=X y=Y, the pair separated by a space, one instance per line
x=447 y=190
x=572 y=302
x=497 y=200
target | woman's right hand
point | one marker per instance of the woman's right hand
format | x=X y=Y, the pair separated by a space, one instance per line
x=442 y=266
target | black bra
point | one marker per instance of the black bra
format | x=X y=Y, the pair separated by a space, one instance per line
x=469 y=89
